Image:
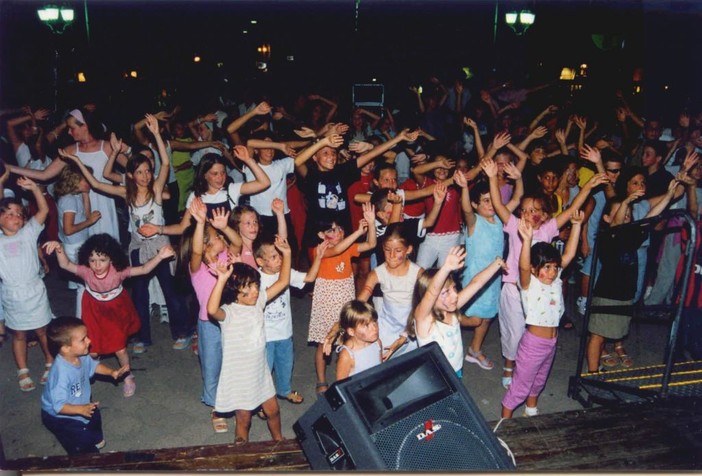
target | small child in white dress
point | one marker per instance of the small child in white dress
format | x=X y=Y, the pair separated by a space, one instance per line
x=362 y=348
x=245 y=381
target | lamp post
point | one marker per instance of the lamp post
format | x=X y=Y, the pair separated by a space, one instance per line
x=57 y=19
x=520 y=21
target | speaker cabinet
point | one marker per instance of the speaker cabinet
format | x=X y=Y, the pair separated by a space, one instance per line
x=410 y=413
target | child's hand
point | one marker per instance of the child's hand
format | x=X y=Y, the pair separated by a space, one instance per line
x=560 y=136
x=690 y=161
x=363 y=225
x=511 y=171
x=334 y=140
x=262 y=108
x=394 y=198
x=525 y=230
x=51 y=246
x=220 y=218
x=455 y=258
x=305 y=133
x=489 y=167
x=166 y=252
x=242 y=153
x=409 y=136
x=360 y=147
x=94 y=217
x=222 y=270
x=278 y=207
x=634 y=196
x=148 y=230
x=597 y=179
x=152 y=124
x=282 y=245
x=65 y=155
x=115 y=143
x=446 y=163
x=501 y=139
x=470 y=122
x=539 y=132
x=440 y=191
x=683 y=177
x=198 y=210
x=27 y=184
x=88 y=409
x=591 y=154
x=577 y=217
x=460 y=179
x=321 y=248
x=501 y=263
x=368 y=213
x=117 y=373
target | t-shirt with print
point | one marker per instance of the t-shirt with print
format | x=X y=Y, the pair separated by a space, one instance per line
x=278 y=314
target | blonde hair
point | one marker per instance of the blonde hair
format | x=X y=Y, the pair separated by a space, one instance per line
x=68 y=182
x=420 y=289
x=352 y=314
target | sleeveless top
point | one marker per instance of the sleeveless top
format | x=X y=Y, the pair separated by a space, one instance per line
x=448 y=336
x=365 y=358
x=397 y=302
x=98 y=202
x=151 y=212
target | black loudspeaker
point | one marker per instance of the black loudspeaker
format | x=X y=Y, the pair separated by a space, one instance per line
x=410 y=413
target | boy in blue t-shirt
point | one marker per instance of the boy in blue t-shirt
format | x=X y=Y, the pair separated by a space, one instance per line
x=66 y=409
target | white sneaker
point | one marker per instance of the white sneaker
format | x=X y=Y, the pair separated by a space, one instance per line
x=581 y=304
x=164 y=315
x=530 y=411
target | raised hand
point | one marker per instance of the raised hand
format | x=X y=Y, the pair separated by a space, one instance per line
x=632 y=197
x=242 y=153
x=166 y=252
x=440 y=191
x=220 y=218
x=198 y=210
x=560 y=136
x=690 y=161
x=152 y=124
x=339 y=128
x=305 y=133
x=580 y=121
x=53 y=246
x=501 y=139
x=262 y=108
x=446 y=163
x=470 y=122
x=334 y=140
x=539 y=132
x=460 y=179
x=114 y=142
x=597 y=179
x=360 y=147
x=277 y=206
x=222 y=270
x=526 y=232
x=27 y=184
x=591 y=154
x=65 y=155
x=511 y=171
x=489 y=167
x=455 y=258
x=394 y=197
x=369 y=212
x=577 y=217
x=282 y=245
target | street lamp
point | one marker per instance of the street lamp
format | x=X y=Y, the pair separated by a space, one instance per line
x=520 y=21
x=56 y=18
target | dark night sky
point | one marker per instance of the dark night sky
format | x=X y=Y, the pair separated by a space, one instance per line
x=397 y=42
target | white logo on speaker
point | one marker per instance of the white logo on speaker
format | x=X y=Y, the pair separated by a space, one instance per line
x=428 y=433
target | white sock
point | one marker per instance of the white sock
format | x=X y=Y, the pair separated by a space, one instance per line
x=531 y=411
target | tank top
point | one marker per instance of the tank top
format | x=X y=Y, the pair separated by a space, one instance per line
x=98 y=202
x=363 y=359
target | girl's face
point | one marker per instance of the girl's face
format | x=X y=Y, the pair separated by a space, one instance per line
x=79 y=132
x=265 y=156
x=326 y=159
x=333 y=235
x=216 y=177
x=484 y=208
x=500 y=161
x=248 y=226
x=549 y=182
x=178 y=130
x=636 y=183
x=448 y=298
x=366 y=331
x=396 y=252
x=12 y=219
x=215 y=242
x=204 y=132
x=248 y=295
x=441 y=174
x=571 y=174
x=547 y=273
x=533 y=212
x=462 y=165
x=99 y=264
x=142 y=176
x=387 y=179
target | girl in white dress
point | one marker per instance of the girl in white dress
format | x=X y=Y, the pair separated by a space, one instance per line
x=245 y=381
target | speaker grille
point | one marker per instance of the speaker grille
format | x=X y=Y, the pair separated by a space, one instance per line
x=455 y=440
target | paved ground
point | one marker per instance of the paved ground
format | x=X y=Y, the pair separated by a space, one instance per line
x=166 y=410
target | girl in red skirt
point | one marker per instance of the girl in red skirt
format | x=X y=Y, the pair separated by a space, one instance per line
x=107 y=311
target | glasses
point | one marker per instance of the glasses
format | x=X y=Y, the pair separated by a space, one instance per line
x=614 y=171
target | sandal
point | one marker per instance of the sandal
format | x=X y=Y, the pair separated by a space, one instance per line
x=293 y=397
x=479 y=358
x=261 y=414
x=507 y=381
x=320 y=386
x=626 y=361
x=219 y=424
x=240 y=441
x=609 y=360
x=26 y=383
x=129 y=387
x=45 y=376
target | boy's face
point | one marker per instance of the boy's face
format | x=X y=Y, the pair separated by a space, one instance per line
x=326 y=159
x=12 y=219
x=649 y=157
x=387 y=179
x=572 y=174
x=549 y=182
x=265 y=155
x=613 y=170
x=484 y=208
x=270 y=260
x=80 y=343
x=383 y=212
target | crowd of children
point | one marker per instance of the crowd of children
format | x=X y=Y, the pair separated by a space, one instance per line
x=464 y=234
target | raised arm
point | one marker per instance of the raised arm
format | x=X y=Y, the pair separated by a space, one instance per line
x=479 y=280
x=316 y=262
x=490 y=168
x=284 y=278
x=160 y=180
x=468 y=212
x=477 y=140
x=260 y=110
x=42 y=206
x=580 y=198
x=63 y=261
x=371 y=238
x=198 y=210
x=261 y=181
x=334 y=141
x=571 y=248
x=164 y=253
x=405 y=134
x=117 y=190
x=526 y=233
x=223 y=271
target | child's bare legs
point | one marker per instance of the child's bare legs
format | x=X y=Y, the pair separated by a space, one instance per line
x=506 y=412
x=19 y=348
x=272 y=411
x=479 y=333
x=595 y=346
x=44 y=344
x=129 y=385
x=243 y=424
x=320 y=366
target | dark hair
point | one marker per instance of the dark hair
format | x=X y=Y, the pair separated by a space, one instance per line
x=627 y=174
x=543 y=253
x=6 y=202
x=132 y=164
x=200 y=185
x=95 y=127
x=536 y=196
x=480 y=188
x=379 y=199
x=658 y=146
x=536 y=144
x=380 y=167
x=103 y=244
x=59 y=331
x=243 y=276
x=263 y=239
x=552 y=164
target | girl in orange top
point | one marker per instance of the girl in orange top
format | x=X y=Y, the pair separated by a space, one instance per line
x=335 y=284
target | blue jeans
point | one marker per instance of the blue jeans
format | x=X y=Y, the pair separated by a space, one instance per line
x=280 y=360
x=178 y=317
x=75 y=436
x=210 y=351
